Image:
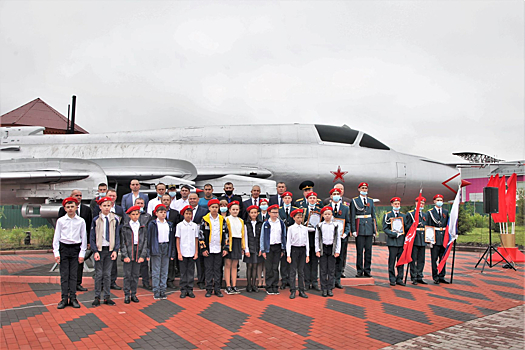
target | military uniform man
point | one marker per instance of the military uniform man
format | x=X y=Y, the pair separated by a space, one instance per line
x=438 y=218
x=285 y=215
x=307 y=187
x=418 y=249
x=363 y=226
x=311 y=269
x=395 y=239
x=342 y=212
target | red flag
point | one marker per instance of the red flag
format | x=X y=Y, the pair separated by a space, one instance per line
x=511 y=197
x=491 y=181
x=501 y=216
x=406 y=256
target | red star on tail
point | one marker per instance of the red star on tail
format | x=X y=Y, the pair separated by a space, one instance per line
x=339 y=174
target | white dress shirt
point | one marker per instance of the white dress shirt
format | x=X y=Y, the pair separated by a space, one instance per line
x=297 y=236
x=275 y=232
x=187 y=232
x=164 y=231
x=236 y=226
x=135 y=226
x=152 y=204
x=70 y=231
x=327 y=231
x=215 y=241
x=179 y=204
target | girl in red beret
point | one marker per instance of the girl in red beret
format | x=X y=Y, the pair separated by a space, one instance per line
x=236 y=246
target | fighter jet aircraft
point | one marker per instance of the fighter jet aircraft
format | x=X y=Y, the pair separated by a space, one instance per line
x=36 y=167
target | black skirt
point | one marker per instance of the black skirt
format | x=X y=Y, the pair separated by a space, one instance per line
x=236 y=252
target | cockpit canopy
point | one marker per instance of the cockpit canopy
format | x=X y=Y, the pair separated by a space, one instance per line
x=345 y=135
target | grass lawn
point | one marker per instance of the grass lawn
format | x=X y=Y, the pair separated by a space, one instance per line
x=481 y=236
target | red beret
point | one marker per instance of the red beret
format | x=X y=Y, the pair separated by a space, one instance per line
x=213 y=201
x=133 y=208
x=335 y=190
x=287 y=193
x=309 y=194
x=252 y=207
x=158 y=207
x=69 y=199
x=362 y=184
x=104 y=199
x=423 y=199
x=264 y=200
x=438 y=196
x=275 y=206
x=233 y=203
x=295 y=212
x=395 y=199
x=188 y=207
x=326 y=208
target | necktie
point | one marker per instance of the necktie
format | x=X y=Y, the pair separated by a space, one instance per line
x=364 y=200
x=395 y=213
x=439 y=212
x=107 y=229
x=335 y=208
x=287 y=213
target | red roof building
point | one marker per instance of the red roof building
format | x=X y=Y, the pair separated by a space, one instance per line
x=38 y=113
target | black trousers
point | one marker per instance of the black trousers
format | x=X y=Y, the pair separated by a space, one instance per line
x=327 y=265
x=298 y=255
x=340 y=261
x=272 y=266
x=436 y=253
x=311 y=270
x=394 y=253
x=187 y=273
x=131 y=277
x=80 y=271
x=103 y=269
x=285 y=270
x=201 y=269
x=418 y=263
x=114 y=271
x=68 y=269
x=144 y=272
x=213 y=264
x=363 y=243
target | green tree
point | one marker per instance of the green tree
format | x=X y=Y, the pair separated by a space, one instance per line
x=464 y=221
x=520 y=203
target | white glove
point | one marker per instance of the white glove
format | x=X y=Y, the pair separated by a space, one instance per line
x=354 y=234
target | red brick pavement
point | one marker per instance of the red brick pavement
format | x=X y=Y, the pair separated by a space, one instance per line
x=365 y=317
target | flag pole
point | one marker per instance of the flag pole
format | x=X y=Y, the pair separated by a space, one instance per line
x=453 y=260
x=406 y=273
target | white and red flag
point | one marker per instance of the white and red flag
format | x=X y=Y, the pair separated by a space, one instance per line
x=406 y=256
x=451 y=232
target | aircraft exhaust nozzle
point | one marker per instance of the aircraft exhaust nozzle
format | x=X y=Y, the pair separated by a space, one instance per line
x=40 y=210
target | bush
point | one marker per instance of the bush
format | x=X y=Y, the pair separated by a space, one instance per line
x=42 y=236
x=479 y=220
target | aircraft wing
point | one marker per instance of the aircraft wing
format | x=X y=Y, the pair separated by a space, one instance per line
x=245 y=171
x=127 y=169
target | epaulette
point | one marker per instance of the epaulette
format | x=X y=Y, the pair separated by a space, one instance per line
x=388 y=212
x=369 y=198
x=355 y=197
x=300 y=199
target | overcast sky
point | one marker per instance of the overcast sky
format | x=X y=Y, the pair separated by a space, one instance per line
x=424 y=77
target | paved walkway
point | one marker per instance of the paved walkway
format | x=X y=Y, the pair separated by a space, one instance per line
x=363 y=317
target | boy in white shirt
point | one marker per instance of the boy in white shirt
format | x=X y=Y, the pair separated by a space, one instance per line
x=327 y=248
x=187 y=237
x=69 y=248
x=297 y=251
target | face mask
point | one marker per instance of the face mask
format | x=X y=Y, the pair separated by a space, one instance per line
x=288 y=205
x=264 y=207
x=395 y=208
x=336 y=198
x=172 y=194
x=228 y=193
x=363 y=193
x=223 y=209
x=102 y=194
x=422 y=207
x=142 y=210
x=439 y=204
x=159 y=195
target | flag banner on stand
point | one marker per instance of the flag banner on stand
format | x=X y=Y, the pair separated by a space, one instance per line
x=406 y=256
x=451 y=232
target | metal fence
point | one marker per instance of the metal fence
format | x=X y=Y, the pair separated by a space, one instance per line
x=11 y=216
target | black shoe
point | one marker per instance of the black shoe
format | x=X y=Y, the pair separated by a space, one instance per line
x=115 y=286
x=218 y=293
x=190 y=294
x=436 y=281
x=109 y=302
x=392 y=283
x=147 y=286
x=359 y=275
x=208 y=294
x=343 y=275
x=170 y=285
x=401 y=283
x=134 y=299
x=96 y=302
x=183 y=294
x=444 y=281
x=156 y=296
x=74 y=303
x=127 y=299
x=256 y=289
x=236 y=291
x=80 y=288
x=421 y=282
x=292 y=295
x=324 y=294
x=276 y=291
x=338 y=285
x=302 y=294
x=248 y=289
x=316 y=287
x=200 y=285
x=414 y=283
x=229 y=291
x=330 y=293
x=367 y=275
x=163 y=295
x=62 y=304
x=283 y=285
